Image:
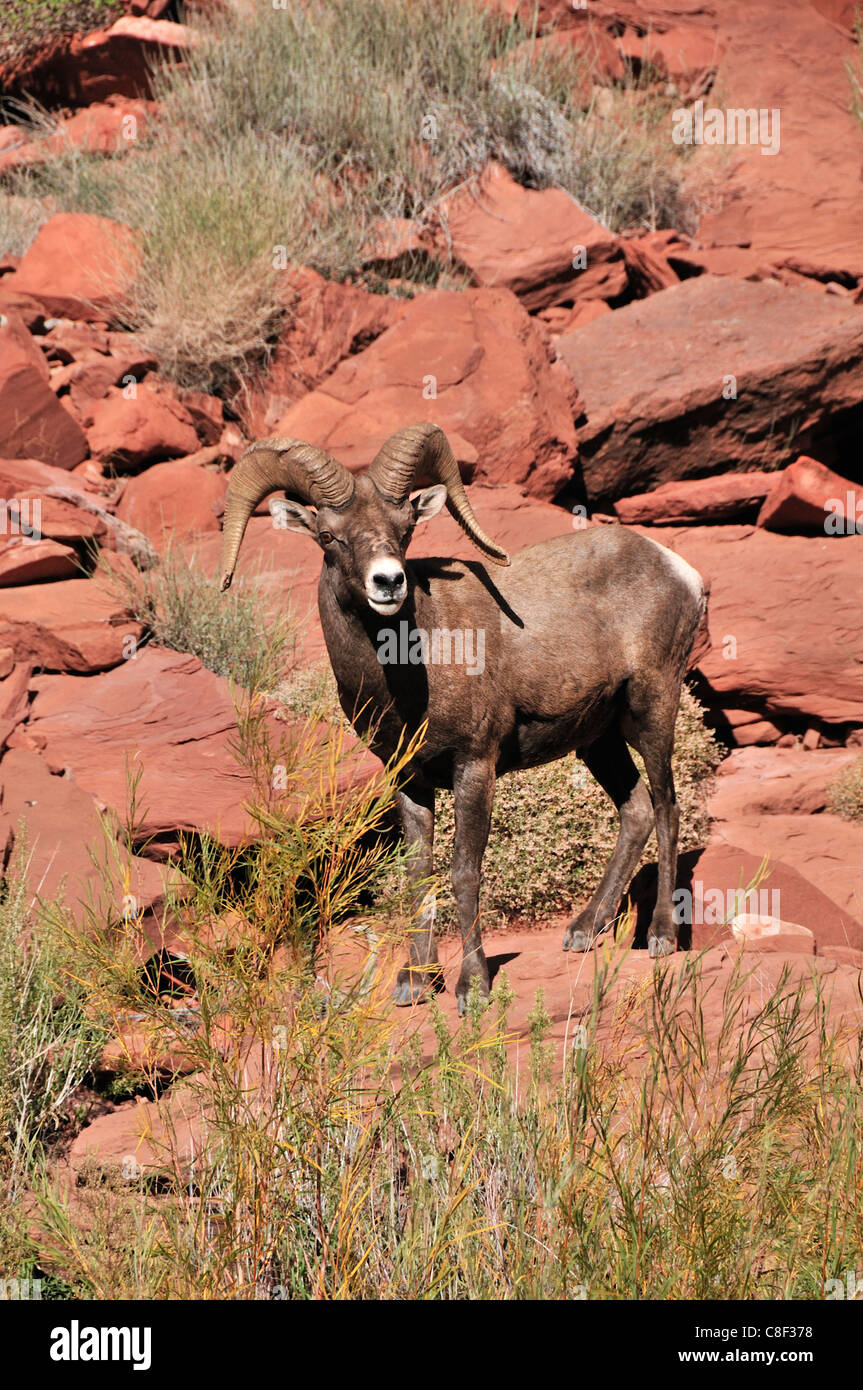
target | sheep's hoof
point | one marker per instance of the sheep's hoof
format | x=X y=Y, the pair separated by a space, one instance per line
x=578 y=941
x=578 y=938
x=660 y=946
x=462 y=992
x=415 y=986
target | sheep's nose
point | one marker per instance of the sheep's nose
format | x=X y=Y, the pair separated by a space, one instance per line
x=388 y=579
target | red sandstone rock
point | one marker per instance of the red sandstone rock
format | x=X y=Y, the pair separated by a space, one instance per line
x=103 y=128
x=31 y=418
x=134 y=430
x=80 y=266
x=810 y=497
x=723 y=497
x=176 y=499
x=23 y=561
x=326 y=322
x=679 y=357
x=784 y=620
x=473 y=362
x=689 y=56
x=72 y=625
x=539 y=244
x=14 y=697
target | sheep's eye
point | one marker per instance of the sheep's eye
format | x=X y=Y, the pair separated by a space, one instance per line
x=325 y=537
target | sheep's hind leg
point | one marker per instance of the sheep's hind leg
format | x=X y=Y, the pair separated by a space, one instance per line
x=654 y=715
x=422 y=976
x=473 y=795
x=610 y=761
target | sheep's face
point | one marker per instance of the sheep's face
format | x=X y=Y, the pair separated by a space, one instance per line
x=365 y=542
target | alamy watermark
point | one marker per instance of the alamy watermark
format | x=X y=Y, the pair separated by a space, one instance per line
x=735 y=126
x=714 y=906
x=442 y=646
x=21 y=516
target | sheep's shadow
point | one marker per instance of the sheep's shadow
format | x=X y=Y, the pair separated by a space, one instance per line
x=642 y=895
x=496 y=963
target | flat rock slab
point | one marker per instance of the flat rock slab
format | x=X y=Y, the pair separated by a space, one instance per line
x=777 y=781
x=72 y=625
x=71 y=853
x=163 y=714
x=651 y=378
x=539 y=243
x=784 y=618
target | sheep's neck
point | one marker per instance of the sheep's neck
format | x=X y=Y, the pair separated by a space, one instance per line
x=385 y=698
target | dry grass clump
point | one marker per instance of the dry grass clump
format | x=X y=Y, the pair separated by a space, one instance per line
x=846 y=792
x=232 y=634
x=287 y=134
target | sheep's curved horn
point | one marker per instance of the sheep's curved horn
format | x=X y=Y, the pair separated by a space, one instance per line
x=308 y=472
x=425 y=448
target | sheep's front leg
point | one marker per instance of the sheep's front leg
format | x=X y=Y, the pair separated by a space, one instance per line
x=473 y=794
x=421 y=976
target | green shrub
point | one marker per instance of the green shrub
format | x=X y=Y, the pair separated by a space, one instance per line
x=846 y=792
x=31 y=24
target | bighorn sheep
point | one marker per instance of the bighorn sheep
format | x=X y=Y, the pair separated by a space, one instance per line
x=586 y=643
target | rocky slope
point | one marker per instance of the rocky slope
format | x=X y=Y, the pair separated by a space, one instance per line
x=706 y=389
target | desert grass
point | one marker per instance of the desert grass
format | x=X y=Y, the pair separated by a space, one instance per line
x=288 y=134
x=47 y=1042
x=335 y=1154
x=232 y=634
x=335 y=1159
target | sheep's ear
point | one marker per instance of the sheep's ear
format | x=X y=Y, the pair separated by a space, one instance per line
x=428 y=503
x=292 y=516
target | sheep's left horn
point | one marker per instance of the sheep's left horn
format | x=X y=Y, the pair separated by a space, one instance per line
x=425 y=448
x=270 y=465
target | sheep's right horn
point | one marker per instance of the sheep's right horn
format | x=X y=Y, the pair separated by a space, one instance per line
x=426 y=448
x=270 y=465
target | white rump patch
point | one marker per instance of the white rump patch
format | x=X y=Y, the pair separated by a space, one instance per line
x=691 y=578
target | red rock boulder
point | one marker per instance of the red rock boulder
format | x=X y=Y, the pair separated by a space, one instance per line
x=539 y=244
x=784 y=620
x=713 y=369
x=73 y=625
x=325 y=323
x=176 y=499
x=724 y=497
x=23 y=561
x=32 y=420
x=80 y=266
x=811 y=498
x=473 y=362
x=145 y=424
x=103 y=128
